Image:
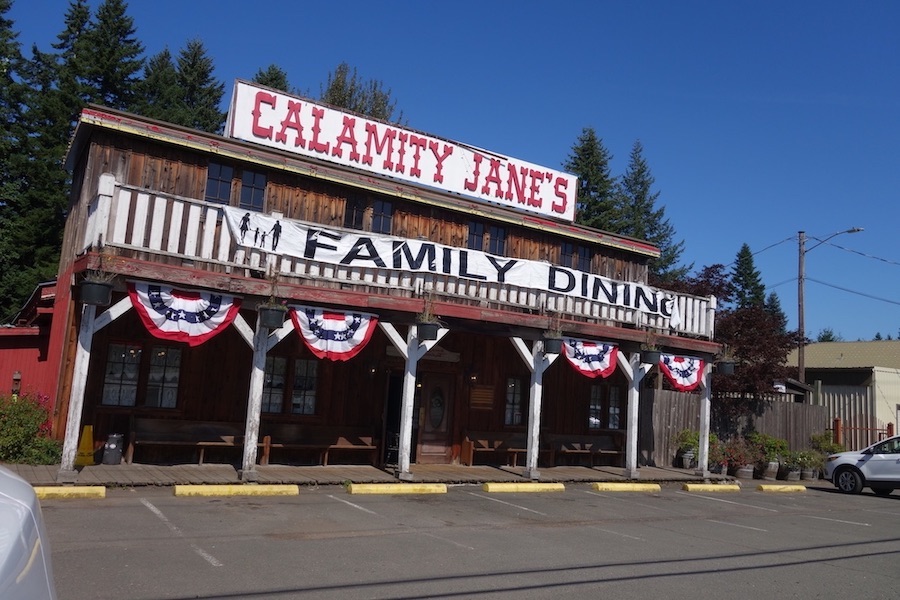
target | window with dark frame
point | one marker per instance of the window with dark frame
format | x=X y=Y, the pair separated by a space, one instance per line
x=303 y=399
x=293 y=378
x=575 y=256
x=139 y=376
x=274 y=384
x=354 y=212
x=382 y=216
x=218 y=183
x=605 y=407
x=497 y=240
x=514 y=414
x=253 y=190
x=476 y=236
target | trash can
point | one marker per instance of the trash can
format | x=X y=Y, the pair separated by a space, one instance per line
x=112 y=451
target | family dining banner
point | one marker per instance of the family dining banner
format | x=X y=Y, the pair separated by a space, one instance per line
x=366 y=250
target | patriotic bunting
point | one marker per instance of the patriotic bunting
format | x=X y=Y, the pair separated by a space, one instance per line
x=684 y=372
x=593 y=359
x=181 y=315
x=332 y=334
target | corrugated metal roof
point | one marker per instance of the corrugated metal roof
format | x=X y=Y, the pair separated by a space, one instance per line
x=850 y=355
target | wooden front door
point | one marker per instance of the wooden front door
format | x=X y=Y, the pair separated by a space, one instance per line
x=435 y=403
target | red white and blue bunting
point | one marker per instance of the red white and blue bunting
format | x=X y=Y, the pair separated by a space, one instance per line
x=332 y=334
x=593 y=359
x=182 y=315
x=684 y=372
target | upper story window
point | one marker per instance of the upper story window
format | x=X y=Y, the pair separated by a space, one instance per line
x=575 y=256
x=218 y=183
x=497 y=240
x=476 y=236
x=382 y=215
x=354 y=212
x=253 y=190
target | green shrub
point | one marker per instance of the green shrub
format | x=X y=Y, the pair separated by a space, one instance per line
x=772 y=448
x=25 y=431
x=688 y=440
x=824 y=443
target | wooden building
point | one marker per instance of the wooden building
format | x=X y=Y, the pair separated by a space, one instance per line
x=358 y=228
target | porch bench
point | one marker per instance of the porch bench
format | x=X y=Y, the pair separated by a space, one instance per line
x=509 y=445
x=321 y=440
x=592 y=446
x=176 y=432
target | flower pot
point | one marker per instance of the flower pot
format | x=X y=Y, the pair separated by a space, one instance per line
x=427 y=331
x=769 y=470
x=650 y=357
x=552 y=345
x=687 y=460
x=792 y=476
x=744 y=472
x=96 y=293
x=725 y=367
x=808 y=474
x=271 y=317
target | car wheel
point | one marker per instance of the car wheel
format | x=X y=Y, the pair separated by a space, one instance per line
x=849 y=481
x=882 y=491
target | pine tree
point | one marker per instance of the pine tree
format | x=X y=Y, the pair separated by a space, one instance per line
x=158 y=95
x=110 y=56
x=773 y=307
x=202 y=91
x=273 y=77
x=748 y=288
x=589 y=161
x=639 y=218
x=346 y=89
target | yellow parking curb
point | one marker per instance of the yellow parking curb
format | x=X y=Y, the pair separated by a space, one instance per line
x=781 y=488
x=397 y=488
x=710 y=487
x=626 y=487
x=523 y=487
x=62 y=491
x=237 y=490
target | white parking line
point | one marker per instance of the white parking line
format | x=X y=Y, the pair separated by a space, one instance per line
x=200 y=551
x=630 y=537
x=357 y=506
x=736 y=525
x=727 y=501
x=507 y=503
x=837 y=521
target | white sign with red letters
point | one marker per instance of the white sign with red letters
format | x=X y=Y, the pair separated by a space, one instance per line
x=300 y=126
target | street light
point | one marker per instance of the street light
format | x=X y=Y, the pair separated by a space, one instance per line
x=801 y=357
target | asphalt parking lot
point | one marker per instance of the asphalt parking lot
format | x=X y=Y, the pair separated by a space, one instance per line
x=146 y=543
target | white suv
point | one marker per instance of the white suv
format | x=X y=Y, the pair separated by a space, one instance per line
x=876 y=467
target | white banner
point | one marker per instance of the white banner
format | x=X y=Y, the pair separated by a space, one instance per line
x=363 y=249
x=300 y=126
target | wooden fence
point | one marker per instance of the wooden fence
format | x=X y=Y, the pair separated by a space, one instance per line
x=663 y=413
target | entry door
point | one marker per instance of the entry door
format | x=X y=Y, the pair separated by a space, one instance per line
x=435 y=403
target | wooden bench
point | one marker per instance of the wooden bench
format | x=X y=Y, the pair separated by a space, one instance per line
x=595 y=446
x=319 y=440
x=500 y=444
x=176 y=432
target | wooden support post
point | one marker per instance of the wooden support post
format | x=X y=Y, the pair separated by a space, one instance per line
x=838 y=434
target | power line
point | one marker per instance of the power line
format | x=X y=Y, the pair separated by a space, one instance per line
x=849 y=291
x=863 y=254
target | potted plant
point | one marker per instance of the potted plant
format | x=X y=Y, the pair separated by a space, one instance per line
x=741 y=457
x=688 y=442
x=552 y=337
x=771 y=451
x=97 y=285
x=650 y=352
x=790 y=466
x=427 y=323
x=718 y=462
x=725 y=361
x=271 y=313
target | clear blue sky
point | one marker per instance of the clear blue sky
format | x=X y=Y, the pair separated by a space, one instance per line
x=758 y=119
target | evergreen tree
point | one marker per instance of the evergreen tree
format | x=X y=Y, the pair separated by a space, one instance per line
x=346 y=89
x=639 y=218
x=202 y=91
x=273 y=77
x=828 y=335
x=594 y=203
x=110 y=56
x=773 y=307
x=158 y=95
x=748 y=287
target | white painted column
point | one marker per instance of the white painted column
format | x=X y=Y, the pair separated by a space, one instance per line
x=537 y=362
x=705 y=406
x=67 y=472
x=412 y=350
x=254 y=403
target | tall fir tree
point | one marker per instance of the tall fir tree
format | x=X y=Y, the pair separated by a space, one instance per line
x=202 y=91
x=273 y=77
x=158 y=95
x=111 y=56
x=748 y=287
x=346 y=89
x=773 y=307
x=640 y=218
x=595 y=202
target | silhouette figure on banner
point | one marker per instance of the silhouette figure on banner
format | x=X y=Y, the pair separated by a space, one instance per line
x=276 y=235
x=245 y=225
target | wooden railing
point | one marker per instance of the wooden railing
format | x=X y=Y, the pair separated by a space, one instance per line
x=159 y=225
